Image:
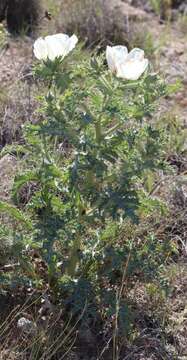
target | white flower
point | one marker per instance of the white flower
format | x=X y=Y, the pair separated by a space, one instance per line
x=129 y=66
x=53 y=46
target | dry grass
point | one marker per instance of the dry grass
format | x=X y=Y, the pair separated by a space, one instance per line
x=97 y=22
x=16 y=91
x=53 y=337
x=90 y=20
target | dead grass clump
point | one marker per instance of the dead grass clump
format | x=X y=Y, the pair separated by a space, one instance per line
x=17 y=93
x=14 y=112
x=93 y=21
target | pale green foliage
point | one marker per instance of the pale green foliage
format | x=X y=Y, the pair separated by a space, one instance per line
x=162 y=8
x=88 y=163
x=156 y=5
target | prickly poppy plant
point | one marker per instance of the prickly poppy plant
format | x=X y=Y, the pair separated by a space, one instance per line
x=88 y=160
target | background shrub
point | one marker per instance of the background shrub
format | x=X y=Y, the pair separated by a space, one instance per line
x=21 y=15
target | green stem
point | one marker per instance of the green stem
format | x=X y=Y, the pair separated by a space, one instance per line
x=74 y=257
x=98 y=132
x=44 y=140
x=111 y=130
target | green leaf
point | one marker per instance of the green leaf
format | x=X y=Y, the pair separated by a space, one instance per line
x=21 y=180
x=15 y=214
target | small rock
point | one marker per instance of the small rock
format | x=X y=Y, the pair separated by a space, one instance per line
x=26 y=326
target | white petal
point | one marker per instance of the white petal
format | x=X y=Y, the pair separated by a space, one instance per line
x=73 y=40
x=60 y=45
x=132 y=70
x=63 y=43
x=40 y=49
x=60 y=36
x=136 y=54
x=54 y=47
x=70 y=44
x=115 y=55
x=120 y=53
x=110 y=59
